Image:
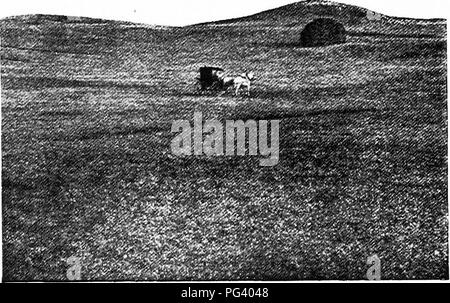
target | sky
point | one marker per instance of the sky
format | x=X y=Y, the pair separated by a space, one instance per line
x=184 y=12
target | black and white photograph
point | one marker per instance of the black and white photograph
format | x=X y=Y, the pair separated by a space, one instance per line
x=276 y=140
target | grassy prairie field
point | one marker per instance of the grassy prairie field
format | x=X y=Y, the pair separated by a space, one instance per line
x=87 y=170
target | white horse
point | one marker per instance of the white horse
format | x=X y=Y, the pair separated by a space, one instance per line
x=244 y=80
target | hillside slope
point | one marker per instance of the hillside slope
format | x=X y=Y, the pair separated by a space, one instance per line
x=353 y=17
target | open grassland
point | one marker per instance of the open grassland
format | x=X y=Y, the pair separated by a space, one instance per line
x=87 y=169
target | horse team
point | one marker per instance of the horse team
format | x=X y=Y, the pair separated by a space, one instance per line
x=214 y=78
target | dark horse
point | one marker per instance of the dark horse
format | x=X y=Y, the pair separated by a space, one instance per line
x=210 y=78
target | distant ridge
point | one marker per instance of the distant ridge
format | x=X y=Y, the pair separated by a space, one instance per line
x=38 y=18
x=286 y=15
x=42 y=18
x=313 y=9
